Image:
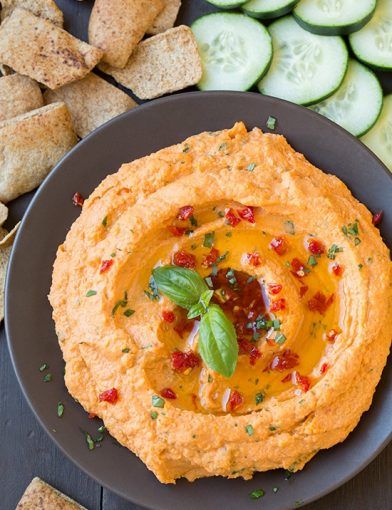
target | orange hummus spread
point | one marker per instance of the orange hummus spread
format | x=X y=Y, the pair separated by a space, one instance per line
x=289 y=256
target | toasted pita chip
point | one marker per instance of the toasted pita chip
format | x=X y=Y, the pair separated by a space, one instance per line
x=18 y=94
x=117 y=26
x=161 y=64
x=43 y=8
x=3 y=213
x=91 y=102
x=30 y=145
x=35 y=47
x=4 y=256
x=39 y=495
x=9 y=238
x=5 y=70
x=166 y=18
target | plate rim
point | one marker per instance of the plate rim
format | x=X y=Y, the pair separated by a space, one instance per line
x=41 y=191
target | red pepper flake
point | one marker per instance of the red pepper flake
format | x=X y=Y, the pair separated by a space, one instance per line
x=184 y=213
x=298 y=268
x=246 y=347
x=210 y=259
x=377 y=218
x=168 y=316
x=184 y=259
x=302 y=381
x=105 y=265
x=110 y=396
x=303 y=290
x=331 y=335
x=337 y=269
x=77 y=199
x=181 y=361
x=168 y=393
x=253 y=258
x=320 y=303
x=176 y=231
x=279 y=245
x=247 y=214
x=231 y=217
x=316 y=247
x=235 y=400
x=287 y=378
x=274 y=288
x=278 y=305
x=91 y=416
x=324 y=367
x=284 y=360
x=271 y=341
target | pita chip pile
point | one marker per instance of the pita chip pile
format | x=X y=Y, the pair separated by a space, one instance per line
x=41 y=496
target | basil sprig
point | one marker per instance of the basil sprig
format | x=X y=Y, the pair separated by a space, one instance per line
x=218 y=345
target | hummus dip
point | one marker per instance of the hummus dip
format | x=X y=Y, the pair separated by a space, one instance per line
x=293 y=260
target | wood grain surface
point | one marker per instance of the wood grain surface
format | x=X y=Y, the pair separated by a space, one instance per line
x=25 y=449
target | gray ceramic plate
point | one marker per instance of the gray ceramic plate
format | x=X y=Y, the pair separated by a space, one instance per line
x=30 y=330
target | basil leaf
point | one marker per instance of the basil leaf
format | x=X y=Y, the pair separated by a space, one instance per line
x=182 y=286
x=195 y=311
x=218 y=345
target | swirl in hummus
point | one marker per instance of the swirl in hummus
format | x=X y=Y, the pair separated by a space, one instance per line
x=295 y=263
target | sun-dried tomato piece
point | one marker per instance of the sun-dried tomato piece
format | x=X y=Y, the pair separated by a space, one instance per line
x=185 y=212
x=287 y=378
x=210 y=259
x=284 y=360
x=274 y=288
x=279 y=245
x=278 y=305
x=168 y=316
x=181 y=361
x=298 y=268
x=247 y=214
x=235 y=400
x=377 y=218
x=231 y=217
x=110 y=396
x=105 y=265
x=303 y=290
x=331 y=335
x=337 y=269
x=316 y=247
x=77 y=199
x=184 y=259
x=168 y=393
x=320 y=303
x=246 y=347
x=253 y=259
x=176 y=231
x=324 y=367
x=302 y=381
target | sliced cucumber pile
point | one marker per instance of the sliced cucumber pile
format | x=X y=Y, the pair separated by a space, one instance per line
x=235 y=50
x=305 y=68
x=357 y=104
x=373 y=44
x=379 y=139
x=267 y=9
x=334 y=17
x=227 y=4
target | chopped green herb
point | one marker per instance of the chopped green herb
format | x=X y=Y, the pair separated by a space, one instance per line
x=259 y=397
x=257 y=494
x=157 y=401
x=113 y=254
x=251 y=167
x=229 y=234
x=249 y=430
x=154 y=415
x=186 y=148
x=222 y=257
x=60 y=409
x=271 y=123
x=333 y=250
x=102 y=429
x=312 y=261
x=210 y=378
x=47 y=378
x=360 y=266
x=222 y=146
x=121 y=302
x=43 y=367
x=128 y=312
x=125 y=350
x=289 y=227
x=352 y=231
x=90 y=442
x=193 y=221
x=208 y=281
x=357 y=241
x=154 y=294
x=90 y=293
x=251 y=279
x=280 y=338
x=105 y=221
x=298 y=503
x=209 y=239
x=272 y=428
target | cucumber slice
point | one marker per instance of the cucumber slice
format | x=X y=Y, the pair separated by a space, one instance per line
x=334 y=17
x=227 y=4
x=235 y=51
x=379 y=139
x=373 y=44
x=267 y=9
x=306 y=68
x=357 y=104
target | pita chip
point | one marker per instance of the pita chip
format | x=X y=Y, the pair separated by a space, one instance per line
x=39 y=495
x=18 y=94
x=8 y=239
x=42 y=8
x=35 y=47
x=161 y=64
x=91 y=102
x=4 y=256
x=166 y=18
x=3 y=213
x=117 y=26
x=30 y=145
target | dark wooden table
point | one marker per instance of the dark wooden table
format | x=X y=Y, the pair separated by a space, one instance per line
x=26 y=451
